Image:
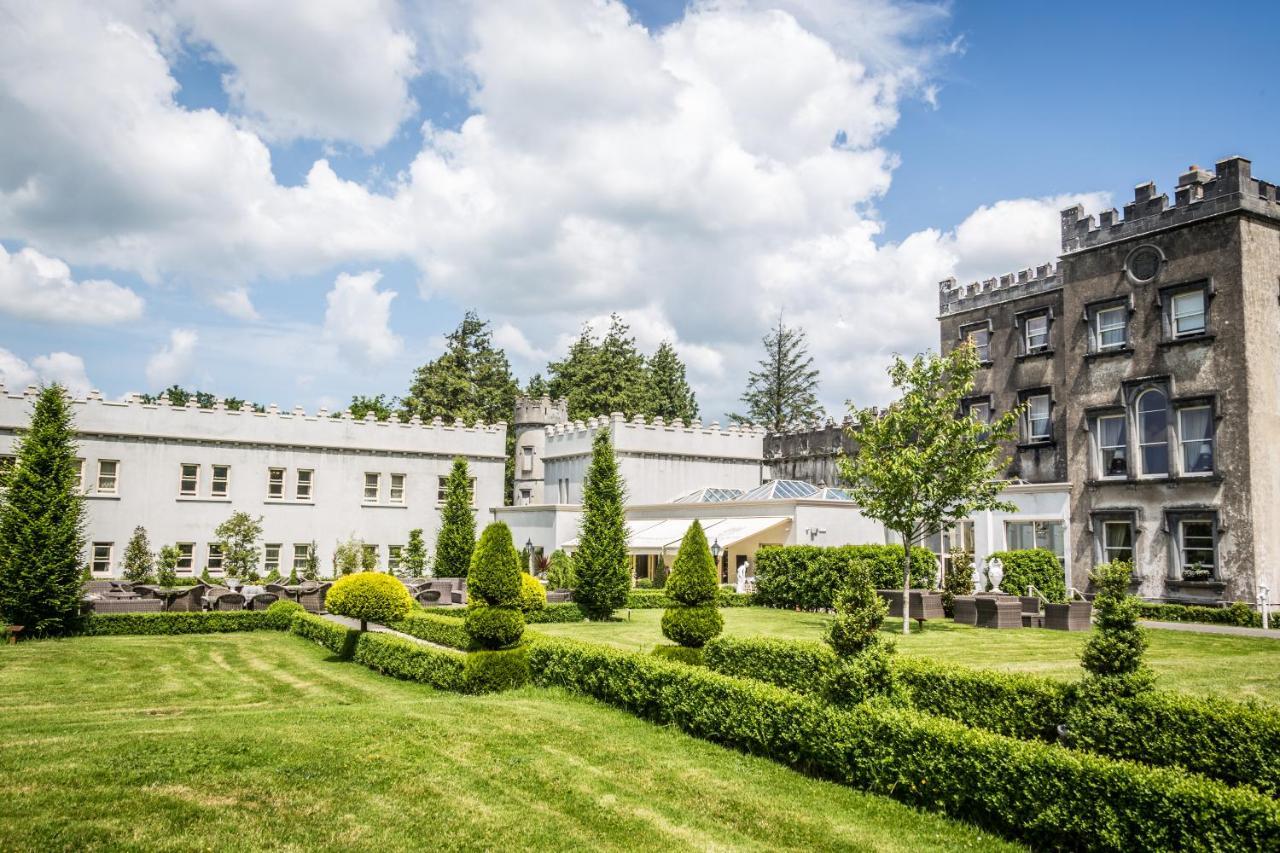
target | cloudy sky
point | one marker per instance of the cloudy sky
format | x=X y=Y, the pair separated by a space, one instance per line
x=294 y=206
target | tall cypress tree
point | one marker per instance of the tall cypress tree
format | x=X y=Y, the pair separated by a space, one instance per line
x=42 y=524
x=782 y=393
x=600 y=562
x=671 y=395
x=457 y=537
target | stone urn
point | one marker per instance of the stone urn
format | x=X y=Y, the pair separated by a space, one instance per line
x=995 y=571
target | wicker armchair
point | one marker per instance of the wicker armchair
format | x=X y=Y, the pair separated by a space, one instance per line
x=1003 y=611
x=262 y=601
x=280 y=592
x=313 y=598
x=189 y=601
x=227 y=601
x=965 y=610
x=126 y=605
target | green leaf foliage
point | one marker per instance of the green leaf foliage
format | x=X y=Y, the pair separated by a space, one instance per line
x=693 y=578
x=1237 y=613
x=958 y=580
x=533 y=595
x=560 y=573
x=457 y=536
x=1114 y=651
x=1034 y=567
x=782 y=394
x=492 y=627
x=167 y=565
x=859 y=614
x=208 y=622
x=239 y=536
x=413 y=559
x=692 y=626
x=434 y=628
x=494 y=577
x=671 y=398
x=42 y=543
x=369 y=597
x=139 y=563
x=602 y=377
x=601 y=561
x=809 y=576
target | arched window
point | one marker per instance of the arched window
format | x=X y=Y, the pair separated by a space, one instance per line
x=1153 y=431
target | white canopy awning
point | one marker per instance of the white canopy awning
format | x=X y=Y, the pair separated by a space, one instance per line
x=665 y=534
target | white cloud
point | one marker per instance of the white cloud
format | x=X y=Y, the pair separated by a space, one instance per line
x=358 y=315
x=514 y=343
x=16 y=374
x=34 y=286
x=173 y=362
x=235 y=302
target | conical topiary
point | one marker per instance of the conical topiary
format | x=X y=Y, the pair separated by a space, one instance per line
x=601 y=563
x=692 y=583
x=493 y=616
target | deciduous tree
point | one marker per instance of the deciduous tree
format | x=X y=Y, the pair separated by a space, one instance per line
x=139 y=563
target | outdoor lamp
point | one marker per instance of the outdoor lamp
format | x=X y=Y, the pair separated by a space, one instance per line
x=716 y=549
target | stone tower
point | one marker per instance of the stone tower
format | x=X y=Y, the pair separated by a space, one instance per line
x=532 y=417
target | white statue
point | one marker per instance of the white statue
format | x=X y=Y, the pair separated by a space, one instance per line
x=742 y=578
x=995 y=571
x=979 y=578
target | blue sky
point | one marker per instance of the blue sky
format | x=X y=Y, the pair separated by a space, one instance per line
x=680 y=168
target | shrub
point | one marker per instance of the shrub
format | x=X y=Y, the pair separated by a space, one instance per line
x=494 y=576
x=533 y=595
x=239 y=536
x=139 y=563
x=410 y=661
x=167 y=624
x=413 y=559
x=1115 y=649
x=644 y=583
x=692 y=626
x=1024 y=706
x=457 y=537
x=562 y=612
x=681 y=654
x=280 y=614
x=859 y=614
x=167 y=566
x=560 y=573
x=958 y=580
x=799 y=666
x=351 y=556
x=808 y=576
x=434 y=629
x=369 y=597
x=1036 y=566
x=651 y=599
x=336 y=638
x=1044 y=795
x=601 y=563
x=493 y=627
x=495 y=671
x=1237 y=613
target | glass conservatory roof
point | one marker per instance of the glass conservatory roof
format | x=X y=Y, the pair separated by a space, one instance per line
x=709 y=496
x=833 y=494
x=781 y=490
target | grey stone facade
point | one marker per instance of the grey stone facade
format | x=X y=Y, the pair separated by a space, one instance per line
x=1162 y=369
x=809 y=455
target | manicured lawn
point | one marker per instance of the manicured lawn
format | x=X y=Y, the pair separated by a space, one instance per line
x=1239 y=667
x=264 y=741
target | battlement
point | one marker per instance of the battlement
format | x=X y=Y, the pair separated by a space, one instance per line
x=540 y=411
x=132 y=417
x=656 y=437
x=1199 y=195
x=954 y=297
x=618 y=422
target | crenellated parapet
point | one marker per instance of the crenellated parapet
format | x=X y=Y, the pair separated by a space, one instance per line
x=954 y=297
x=1200 y=194
x=540 y=411
x=656 y=436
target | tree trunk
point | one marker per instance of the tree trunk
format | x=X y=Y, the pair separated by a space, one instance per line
x=364 y=625
x=906 y=586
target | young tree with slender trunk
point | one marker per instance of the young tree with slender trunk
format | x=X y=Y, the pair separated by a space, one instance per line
x=139 y=563
x=42 y=523
x=601 y=561
x=922 y=464
x=457 y=537
x=414 y=557
x=783 y=393
x=238 y=537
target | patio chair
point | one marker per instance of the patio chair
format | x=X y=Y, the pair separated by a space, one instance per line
x=189 y=601
x=558 y=596
x=1003 y=611
x=126 y=605
x=1031 y=615
x=313 y=598
x=280 y=592
x=1072 y=616
x=965 y=610
x=893 y=600
x=227 y=601
x=428 y=597
x=261 y=601
x=925 y=605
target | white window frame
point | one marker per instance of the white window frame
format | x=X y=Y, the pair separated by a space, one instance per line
x=186 y=554
x=301 y=554
x=272 y=480
x=526 y=458
x=224 y=481
x=1175 y=317
x=1108 y=549
x=1182 y=548
x=441 y=487
x=375 y=484
x=1101 y=449
x=1141 y=441
x=1038 y=526
x=1030 y=420
x=980 y=405
x=1184 y=442
x=270 y=563
x=304 y=487
x=1027 y=335
x=113 y=479
x=79 y=487
x=983 y=350
x=396 y=489
x=95 y=559
x=183 y=479
x=1100 y=330
x=214 y=557
x=394 y=557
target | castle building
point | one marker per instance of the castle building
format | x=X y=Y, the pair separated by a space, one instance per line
x=180 y=472
x=1148 y=363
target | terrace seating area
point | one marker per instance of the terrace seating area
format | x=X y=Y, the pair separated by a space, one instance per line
x=117 y=596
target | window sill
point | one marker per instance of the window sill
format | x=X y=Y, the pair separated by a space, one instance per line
x=1125 y=350
x=384 y=506
x=197 y=499
x=1031 y=356
x=101 y=497
x=1204 y=338
x=283 y=502
x=1042 y=444
x=1170 y=480
x=1178 y=583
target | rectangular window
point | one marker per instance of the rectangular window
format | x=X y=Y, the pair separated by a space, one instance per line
x=1037 y=418
x=393 y=558
x=189 y=482
x=215 y=557
x=1117 y=541
x=1035 y=333
x=6 y=468
x=1111 y=327
x=301 y=555
x=275 y=483
x=1025 y=535
x=108 y=476
x=980 y=337
x=305 y=479
x=1186 y=313
x=980 y=411
x=396 y=492
x=186 y=556
x=371 y=488
x=102 y=556
x=271 y=556
x=1197 y=548
x=1195 y=431
x=218 y=484
x=526 y=497
x=1112 y=446
x=79 y=486
x=526 y=459
x=442 y=484
x=370 y=560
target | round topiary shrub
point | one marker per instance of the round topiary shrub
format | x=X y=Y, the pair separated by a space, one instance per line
x=369 y=597
x=493 y=627
x=1036 y=567
x=494 y=576
x=692 y=626
x=281 y=613
x=533 y=595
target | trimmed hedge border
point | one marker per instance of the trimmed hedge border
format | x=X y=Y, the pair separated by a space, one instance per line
x=1239 y=614
x=557 y=612
x=651 y=599
x=441 y=630
x=1044 y=795
x=1233 y=742
x=808 y=576
x=211 y=622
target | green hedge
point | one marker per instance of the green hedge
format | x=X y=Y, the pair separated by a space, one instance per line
x=410 y=661
x=441 y=630
x=1007 y=703
x=797 y=666
x=650 y=599
x=1044 y=795
x=807 y=576
x=212 y=622
x=1036 y=566
x=561 y=611
x=1238 y=614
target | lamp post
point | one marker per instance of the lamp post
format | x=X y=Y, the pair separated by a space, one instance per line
x=715 y=554
x=528 y=548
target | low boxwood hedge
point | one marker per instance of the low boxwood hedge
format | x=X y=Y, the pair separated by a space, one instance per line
x=793 y=665
x=442 y=630
x=808 y=576
x=649 y=599
x=1238 y=614
x=1042 y=794
x=211 y=622
x=559 y=612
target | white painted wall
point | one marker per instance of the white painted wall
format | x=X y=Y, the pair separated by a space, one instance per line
x=152 y=441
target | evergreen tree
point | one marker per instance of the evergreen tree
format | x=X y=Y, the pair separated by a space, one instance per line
x=167 y=566
x=560 y=573
x=601 y=563
x=692 y=584
x=536 y=387
x=311 y=569
x=348 y=557
x=362 y=405
x=494 y=618
x=457 y=537
x=413 y=559
x=671 y=395
x=42 y=523
x=139 y=563
x=782 y=393
x=599 y=378
x=238 y=537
